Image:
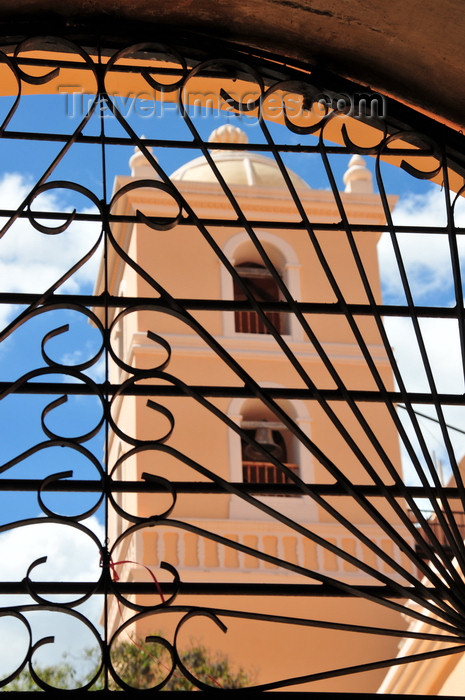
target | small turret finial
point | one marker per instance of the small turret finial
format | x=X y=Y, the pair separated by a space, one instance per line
x=357 y=177
x=140 y=166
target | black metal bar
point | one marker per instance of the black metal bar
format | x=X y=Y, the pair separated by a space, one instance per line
x=443 y=565
x=210 y=588
x=73 y=389
x=195 y=487
x=231 y=223
x=331 y=309
x=189 y=145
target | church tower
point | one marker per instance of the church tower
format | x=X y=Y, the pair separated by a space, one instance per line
x=234 y=358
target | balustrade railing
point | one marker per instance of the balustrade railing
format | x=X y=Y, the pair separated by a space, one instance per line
x=266 y=473
x=250 y=322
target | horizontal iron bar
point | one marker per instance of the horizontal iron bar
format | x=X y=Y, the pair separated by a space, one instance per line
x=55 y=62
x=144 y=59
x=180 y=694
x=194 y=487
x=191 y=144
x=162 y=390
x=193 y=588
x=231 y=223
x=332 y=309
x=226 y=223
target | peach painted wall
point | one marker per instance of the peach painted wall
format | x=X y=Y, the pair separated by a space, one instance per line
x=183 y=263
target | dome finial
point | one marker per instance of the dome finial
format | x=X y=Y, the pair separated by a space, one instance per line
x=357 y=177
x=140 y=166
x=228 y=133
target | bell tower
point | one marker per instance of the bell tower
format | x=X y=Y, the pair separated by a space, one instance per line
x=233 y=391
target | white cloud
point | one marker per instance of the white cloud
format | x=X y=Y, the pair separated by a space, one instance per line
x=442 y=343
x=32 y=261
x=427 y=260
x=426 y=257
x=71 y=556
x=74 y=357
x=435 y=442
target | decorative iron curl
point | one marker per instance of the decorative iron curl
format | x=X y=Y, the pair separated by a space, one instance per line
x=21 y=75
x=54 y=443
x=364 y=150
x=79 y=366
x=39 y=305
x=76 y=447
x=29 y=45
x=168 y=486
x=157 y=224
x=16 y=614
x=52 y=185
x=50 y=306
x=151 y=49
x=186 y=672
x=157 y=407
x=53 y=478
x=139 y=607
x=235 y=67
x=50 y=607
x=55 y=521
x=156 y=639
x=432 y=146
x=158 y=339
x=14 y=69
x=415 y=140
x=150 y=639
x=35 y=43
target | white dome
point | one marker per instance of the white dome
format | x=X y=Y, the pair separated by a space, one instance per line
x=237 y=167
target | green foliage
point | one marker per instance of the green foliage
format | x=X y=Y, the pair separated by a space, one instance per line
x=141 y=665
x=62 y=676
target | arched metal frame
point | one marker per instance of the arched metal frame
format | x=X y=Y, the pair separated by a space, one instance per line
x=437 y=590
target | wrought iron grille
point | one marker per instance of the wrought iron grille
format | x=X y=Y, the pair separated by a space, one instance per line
x=125 y=382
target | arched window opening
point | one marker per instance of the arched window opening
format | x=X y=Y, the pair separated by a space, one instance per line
x=264 y=288
x=272 y=437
